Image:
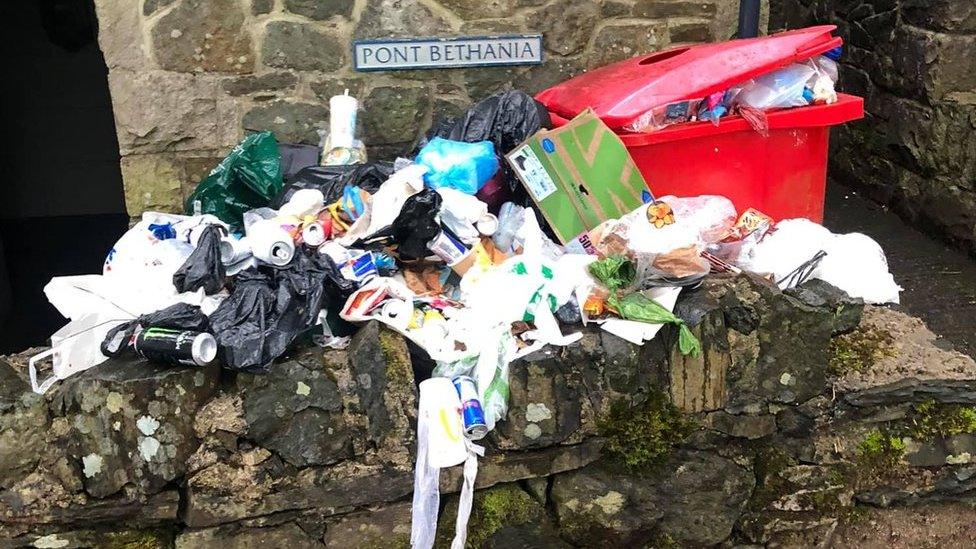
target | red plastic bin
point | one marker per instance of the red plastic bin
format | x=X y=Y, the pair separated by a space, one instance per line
x=782 y=175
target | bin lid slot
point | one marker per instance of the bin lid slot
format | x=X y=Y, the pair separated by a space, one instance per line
x=621 y=92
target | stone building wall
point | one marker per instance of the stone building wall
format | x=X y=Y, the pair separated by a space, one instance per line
x=914 y=62
x=189 y=77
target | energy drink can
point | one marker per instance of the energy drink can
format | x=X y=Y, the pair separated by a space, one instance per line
x=472 y=414
x=176 y=346
x=360 y=268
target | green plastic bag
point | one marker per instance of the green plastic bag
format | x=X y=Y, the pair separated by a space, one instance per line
x=248 y=178
x=617 y=272
x=641 y=308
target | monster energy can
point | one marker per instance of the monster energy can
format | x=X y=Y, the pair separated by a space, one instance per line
x=176 y=346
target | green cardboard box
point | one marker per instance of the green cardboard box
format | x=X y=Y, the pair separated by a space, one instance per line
x=579 y=175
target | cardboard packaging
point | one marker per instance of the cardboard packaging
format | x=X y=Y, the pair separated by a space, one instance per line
x=579 y=175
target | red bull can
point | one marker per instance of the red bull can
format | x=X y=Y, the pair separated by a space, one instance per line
x=472 y=414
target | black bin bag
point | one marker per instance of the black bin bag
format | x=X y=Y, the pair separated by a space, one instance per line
x=203 y=269
x=331 y=180
x=506 y=119
x=270 y=307
x=412 y=229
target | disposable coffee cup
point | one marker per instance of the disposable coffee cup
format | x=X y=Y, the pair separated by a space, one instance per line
x=487 y=225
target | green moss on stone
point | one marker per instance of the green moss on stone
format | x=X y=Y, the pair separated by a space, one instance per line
x=493 y=508
x=930 y=420
x=857 y=351
x=879 y=454
x=134 y=539
x=399 y=369
x=642 y=435
x=769 y=463
x=502 y=506
x=663 y=540
x=584 y=529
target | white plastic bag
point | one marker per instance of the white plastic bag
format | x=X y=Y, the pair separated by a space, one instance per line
x=781 y=251
x=460 y=212
x=303 y=202
x=440 y=443
x=856 y=264
x=388 y=200
x=74 y=349
x=698 y=221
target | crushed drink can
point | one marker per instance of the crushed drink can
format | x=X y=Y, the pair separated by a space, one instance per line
x=176 y=346
x=360 y=268
x=472 y=414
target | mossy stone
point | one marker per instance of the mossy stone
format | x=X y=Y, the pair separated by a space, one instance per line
x=857 y=351
x=879 y=454
x=931 y=420
x=641 y=435
x=494 y=508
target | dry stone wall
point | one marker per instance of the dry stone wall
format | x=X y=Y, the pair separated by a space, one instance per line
x=189 y=77
x=805 y=411
x=914 y=62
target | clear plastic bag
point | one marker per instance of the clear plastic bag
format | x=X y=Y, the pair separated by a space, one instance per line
x=820 y=86
x=777 y=89
x=673 y=222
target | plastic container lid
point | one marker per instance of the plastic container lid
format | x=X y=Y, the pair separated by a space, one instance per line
x=621 y=92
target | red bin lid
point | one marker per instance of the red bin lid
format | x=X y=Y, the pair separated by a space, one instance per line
x=621 y=92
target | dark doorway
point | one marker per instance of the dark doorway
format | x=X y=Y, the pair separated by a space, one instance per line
x=61 y=201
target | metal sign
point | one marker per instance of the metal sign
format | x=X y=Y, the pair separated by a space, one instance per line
x=442 y=53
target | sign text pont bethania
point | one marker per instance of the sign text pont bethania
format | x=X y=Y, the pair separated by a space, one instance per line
x=430 y=53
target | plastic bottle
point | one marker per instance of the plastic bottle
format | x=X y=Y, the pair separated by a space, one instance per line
x=509 y=219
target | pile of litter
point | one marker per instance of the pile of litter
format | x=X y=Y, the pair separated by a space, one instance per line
x=499 y=236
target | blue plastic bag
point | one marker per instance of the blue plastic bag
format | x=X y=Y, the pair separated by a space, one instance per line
x=462 y=166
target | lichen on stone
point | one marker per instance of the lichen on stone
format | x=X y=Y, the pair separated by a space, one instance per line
x=857 y=351
x=92 y=465
x=930 y=420
x=642 y=434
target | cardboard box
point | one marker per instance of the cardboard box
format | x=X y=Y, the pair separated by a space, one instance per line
x=579 y=175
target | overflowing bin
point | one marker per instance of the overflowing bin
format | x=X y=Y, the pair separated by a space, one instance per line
x=782 y=174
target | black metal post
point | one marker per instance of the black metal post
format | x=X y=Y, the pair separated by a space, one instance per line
x=748 y=19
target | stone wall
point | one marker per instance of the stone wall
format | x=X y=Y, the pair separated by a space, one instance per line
x=189 y=77
x=914 y=62
x=786 y=425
